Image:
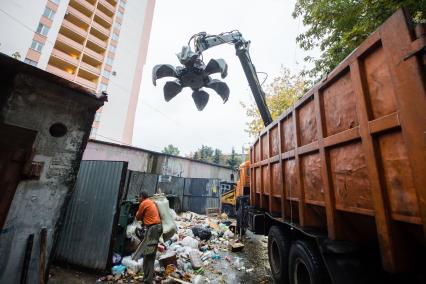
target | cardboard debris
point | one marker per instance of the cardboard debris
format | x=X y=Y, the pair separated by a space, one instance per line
x=235 y=247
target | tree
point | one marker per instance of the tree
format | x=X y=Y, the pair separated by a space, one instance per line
x=234 y=160
x=196 y=156
x=171 y=150
x=338 y=27
x=16 y=55
x=281 y=94
x=217 y=157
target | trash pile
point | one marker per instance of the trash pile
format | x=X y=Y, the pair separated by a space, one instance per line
x=201 y=251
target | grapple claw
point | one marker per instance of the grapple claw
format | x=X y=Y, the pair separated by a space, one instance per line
x=163 y=70
x=217 y=66
x=171 y=89
x=220 y=87
x=201 y=98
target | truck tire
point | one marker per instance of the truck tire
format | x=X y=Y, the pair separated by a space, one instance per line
x=278 y=253
x=306 y=266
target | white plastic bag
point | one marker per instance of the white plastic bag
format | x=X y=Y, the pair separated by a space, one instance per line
x=168 y=223
x=134 y=265
x=190 y=242
x=131 y=229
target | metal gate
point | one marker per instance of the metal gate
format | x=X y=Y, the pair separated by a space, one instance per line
x=86 y=236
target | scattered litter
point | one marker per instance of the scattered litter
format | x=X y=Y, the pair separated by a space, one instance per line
x=195 y=246
x=133 y=265
x=190 y=242
x=202 y=232
x=118 y=269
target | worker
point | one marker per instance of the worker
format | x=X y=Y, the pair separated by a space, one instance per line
x=149 y=215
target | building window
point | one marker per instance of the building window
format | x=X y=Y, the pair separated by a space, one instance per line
x=106 y=74
x=56 y=1
x=48 y=13
x=36 y=45
x=31 y=62
x=119 y=14
x=103 y=87
x=112 y=48
x=122 y=3
x=93 y=133
x=114 y=36
x=117 y=25
x=42 y=29
x=97 y=117
x=109 y=61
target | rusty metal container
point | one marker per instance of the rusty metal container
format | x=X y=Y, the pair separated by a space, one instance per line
x=349 y=158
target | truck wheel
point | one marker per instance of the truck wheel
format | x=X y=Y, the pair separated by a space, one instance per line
x=278 y=253
x=306 y=266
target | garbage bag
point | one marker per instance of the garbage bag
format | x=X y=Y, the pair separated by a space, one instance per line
x=118 y=269
x=131 y=229
x=134 y=265
x=202 y=232
x=167 y=220
x=190 y=242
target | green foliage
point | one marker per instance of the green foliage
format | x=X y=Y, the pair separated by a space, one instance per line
x=233 y=161
x=206 y=153
x=338 y=27
x=281 y=94
x=196 y=156
x=171 y=150
x=217 y=157
x=16 y=55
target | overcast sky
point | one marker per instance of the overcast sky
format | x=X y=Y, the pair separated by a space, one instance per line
x=269 y=26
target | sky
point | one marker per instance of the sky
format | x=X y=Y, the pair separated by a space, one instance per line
x=269 y=26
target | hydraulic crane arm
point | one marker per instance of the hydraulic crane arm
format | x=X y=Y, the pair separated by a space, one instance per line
x=203 y=41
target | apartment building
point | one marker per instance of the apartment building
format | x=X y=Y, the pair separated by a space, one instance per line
x=99 y=44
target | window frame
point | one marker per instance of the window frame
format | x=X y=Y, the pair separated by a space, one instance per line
x=42 y=29
x=30 y=62
x=50 y=14
x=37 y=46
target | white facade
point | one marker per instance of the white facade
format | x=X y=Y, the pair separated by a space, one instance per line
x=18 y=21
x=18 y=24
x=111 y=127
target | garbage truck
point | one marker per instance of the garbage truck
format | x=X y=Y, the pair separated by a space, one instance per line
x=338 y=181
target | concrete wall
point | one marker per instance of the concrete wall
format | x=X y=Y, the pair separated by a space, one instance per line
x=153 y=162
x=36 y=104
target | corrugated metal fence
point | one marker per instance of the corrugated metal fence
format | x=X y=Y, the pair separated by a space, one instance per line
x=200 y=193
x=86 y=237
x=91 y=217
x=184 y=194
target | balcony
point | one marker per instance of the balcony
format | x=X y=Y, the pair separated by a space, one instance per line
x=83 y=6
x=65 y=57
x=77 y=17
x=107 y=6
x=90 y=68
x=61 y=73
x=87 y=79
x=94 y=55
x=86 y=83
x=97 y=41
x=66 y=41
x=74 y=28
x=106 y=20
x=104 y=31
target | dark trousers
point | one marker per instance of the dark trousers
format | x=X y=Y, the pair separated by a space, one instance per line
x=148 y=248
x=148 y=268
